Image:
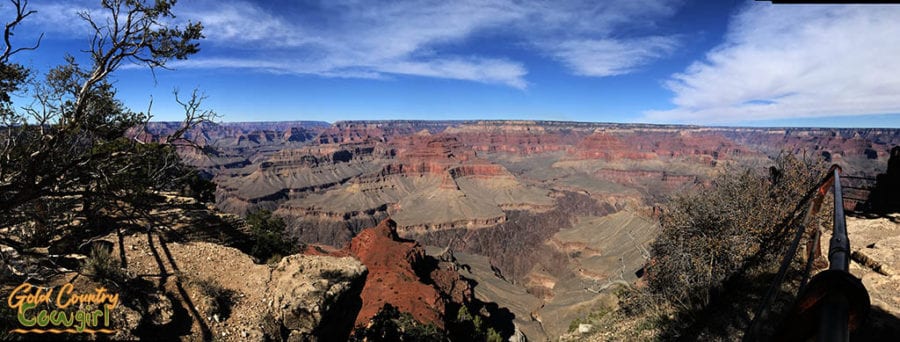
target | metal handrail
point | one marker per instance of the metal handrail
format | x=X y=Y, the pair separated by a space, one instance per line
x=834 y=324
x=839 y=248
x=834 y=302
x=810 y=204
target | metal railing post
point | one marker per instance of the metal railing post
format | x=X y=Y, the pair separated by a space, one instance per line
x=835 y=319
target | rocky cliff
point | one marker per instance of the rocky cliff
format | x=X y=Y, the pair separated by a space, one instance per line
x=400 y=274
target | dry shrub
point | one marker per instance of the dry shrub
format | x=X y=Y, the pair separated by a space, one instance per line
x=216 y=299
x=710 y=234
x=102 y=266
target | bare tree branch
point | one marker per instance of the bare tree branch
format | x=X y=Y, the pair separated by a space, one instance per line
x=22 y=12
x=194 y=115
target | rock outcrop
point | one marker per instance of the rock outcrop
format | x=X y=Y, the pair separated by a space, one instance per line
x=875 y=245
x=201 y=290
x=393 y=264
x=314 y=296
x=431 y=289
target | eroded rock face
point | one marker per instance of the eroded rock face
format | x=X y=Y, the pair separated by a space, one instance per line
x=875 y=245
x=439 y=175
x=705 y=148
x=392 y=264
x=837 y=143
x=402 y=275
x=314 y=296
x=343 y=132
x=230 y=146
x=328 y=192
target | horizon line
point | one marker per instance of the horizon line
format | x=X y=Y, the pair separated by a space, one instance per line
x=331 y=123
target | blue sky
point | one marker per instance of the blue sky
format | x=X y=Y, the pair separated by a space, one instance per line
x=722 y=62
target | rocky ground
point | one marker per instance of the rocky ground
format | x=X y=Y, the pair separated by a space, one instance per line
x=430 y=287
x=296 y=293
x=875 y=241
x=179 y=280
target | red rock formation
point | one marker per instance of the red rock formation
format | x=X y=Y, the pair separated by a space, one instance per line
x=376 y=131
x=606 y=146
x=438 y=155
x=396 y=268
x=700 y=147
x=392 y=278
x=837 y=143
x=517 y=137
x=670 y=181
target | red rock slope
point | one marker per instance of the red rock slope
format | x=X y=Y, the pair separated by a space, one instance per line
x=391 y=262
x=401 y=274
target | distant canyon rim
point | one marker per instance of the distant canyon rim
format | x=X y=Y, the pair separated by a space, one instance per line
x=546 y=215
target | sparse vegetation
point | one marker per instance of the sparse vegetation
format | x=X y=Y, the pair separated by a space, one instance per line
x=708 y=235
x=102 y=266
x=591 y=318
x=474 y=327
x=392 y=325
x=389 y=324
x=216 y=299
x=719 y=247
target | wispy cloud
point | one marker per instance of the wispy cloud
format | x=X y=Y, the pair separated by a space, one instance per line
x=239 y=23
x=609 y=57
x=429 y=38
x=792 y=61
x=471 y=69
x=53 y=19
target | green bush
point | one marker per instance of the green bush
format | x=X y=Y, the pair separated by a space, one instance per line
x=472 y=327
x=389 y=324
x=269 y=237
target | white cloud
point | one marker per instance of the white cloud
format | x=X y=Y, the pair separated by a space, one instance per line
x=239 y=23
x=481 y=70
x=54 y=20
x=430 y=38
x=609 y=57
x=793 y=61
x=492 y=71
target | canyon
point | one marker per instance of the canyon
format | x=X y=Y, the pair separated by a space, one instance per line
x=540 y=218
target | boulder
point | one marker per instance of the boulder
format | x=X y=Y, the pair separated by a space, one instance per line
x=316 y=297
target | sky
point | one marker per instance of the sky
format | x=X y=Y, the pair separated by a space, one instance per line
x=724 y=62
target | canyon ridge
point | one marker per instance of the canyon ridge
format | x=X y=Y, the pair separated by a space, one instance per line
x=537 y=219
